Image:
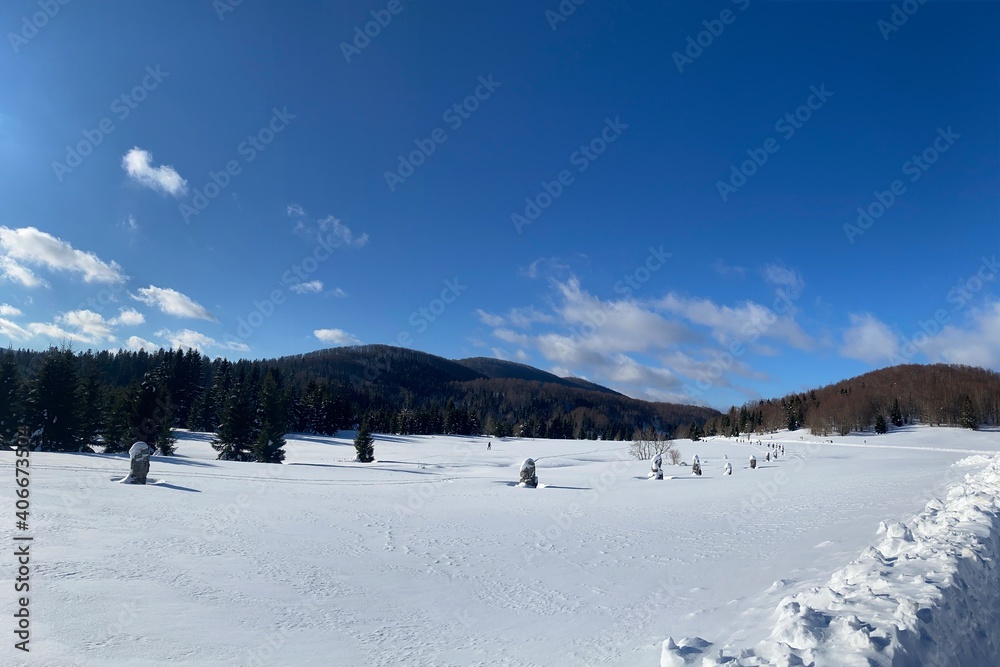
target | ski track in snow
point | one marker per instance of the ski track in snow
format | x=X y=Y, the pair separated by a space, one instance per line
x=433 y=557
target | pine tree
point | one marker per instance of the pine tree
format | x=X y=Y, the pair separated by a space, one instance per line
x=55 y=403
x=968 y=418
x=91 y=409
x=896 y=415
x=117 y=424
x=270 y=443
x=880 y=424
x=10 y=404
x=152 y=415
x=236 y=433
x=364 y=444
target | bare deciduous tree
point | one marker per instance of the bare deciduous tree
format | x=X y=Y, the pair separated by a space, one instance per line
x=647 y=443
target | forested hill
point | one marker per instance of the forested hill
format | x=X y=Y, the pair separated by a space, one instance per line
x=938 y=395
x=73 y=400
x=501 y=397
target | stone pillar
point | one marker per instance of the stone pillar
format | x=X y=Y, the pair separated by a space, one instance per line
x=139 y=455
x=528 y=476
x=655 y=467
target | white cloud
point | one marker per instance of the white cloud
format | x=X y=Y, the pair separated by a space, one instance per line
x=12 y=330
x=617 y=326
x=780 y=276
x=136 y=343
x=869 y=340
x=295 y=210
x=129 y=317
x=544 y=266
x=17 y=273
x=7 y=310
x=137 y=163
x=521 y=355
x=335 y=337
x=723 y=269
x=90 y=327
x=28 y=245
x=337 y=292
x=172 y=302
x=80 y=326
x=130 y=224
x=711 y=369
x=976 y=345
x=490 y=319
x=311 y=286
x=56 y=332
x=510 y=336
x=340 y=234
x=525 y=317
x=748 y=321
x=188 y=339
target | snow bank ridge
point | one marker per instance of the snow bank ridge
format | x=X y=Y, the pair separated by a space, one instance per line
x=926 y=595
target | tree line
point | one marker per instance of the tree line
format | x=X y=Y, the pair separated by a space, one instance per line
x=937 y=395
x=82 y=401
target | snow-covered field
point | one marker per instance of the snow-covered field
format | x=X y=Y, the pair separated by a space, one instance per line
x=433 y=555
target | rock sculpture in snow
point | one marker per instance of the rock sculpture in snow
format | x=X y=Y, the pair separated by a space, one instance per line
x=696 y=466
x=753 y=462
x=729 y=469
x=656 y=467
x=139 y=455
x=768 y=458
x=528 y=476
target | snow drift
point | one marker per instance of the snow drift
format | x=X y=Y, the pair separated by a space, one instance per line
x=925 y=595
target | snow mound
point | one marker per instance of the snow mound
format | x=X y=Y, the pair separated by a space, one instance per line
x=924 y=595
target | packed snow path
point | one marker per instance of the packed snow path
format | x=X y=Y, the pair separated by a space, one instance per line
x=433 y=556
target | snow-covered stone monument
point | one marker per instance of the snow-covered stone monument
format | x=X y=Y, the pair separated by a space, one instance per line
x=729 y=469
x=753 y=462
x=139 y=455
x=696 y=466
x=656 y=467
x=528 y=477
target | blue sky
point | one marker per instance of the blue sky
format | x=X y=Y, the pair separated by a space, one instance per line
x=661 y=197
